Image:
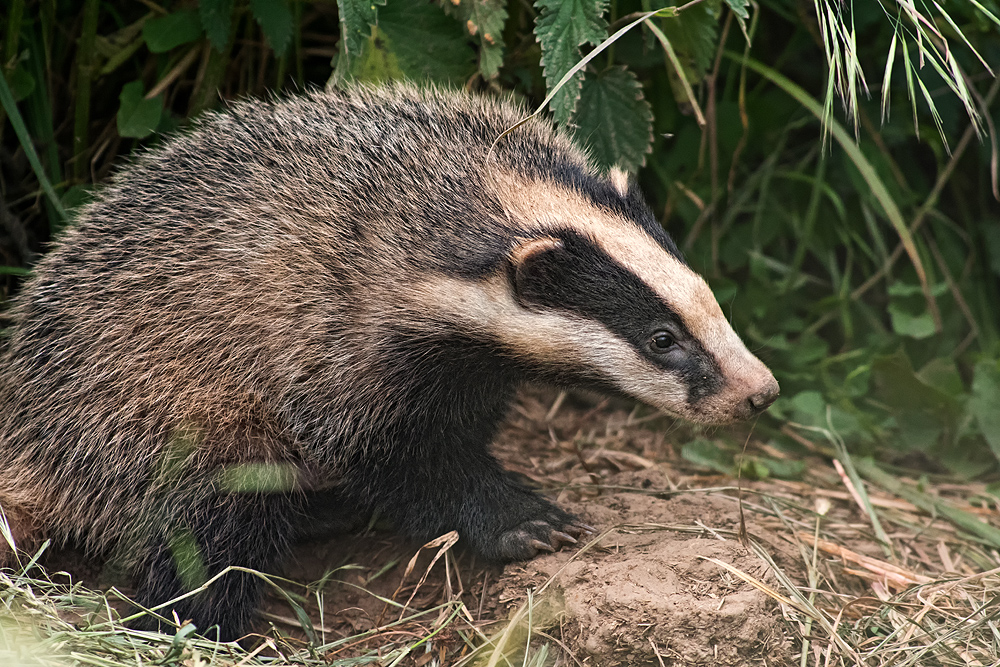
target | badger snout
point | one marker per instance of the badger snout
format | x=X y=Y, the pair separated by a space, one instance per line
x=762 y=399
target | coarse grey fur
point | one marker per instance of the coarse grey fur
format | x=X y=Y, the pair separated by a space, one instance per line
x=302 y=294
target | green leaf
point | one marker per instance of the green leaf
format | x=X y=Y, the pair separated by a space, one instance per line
x=694 y=34
x=484 y=20
x=216 y=20
x=901 y=388
x=137 y=116
x=415 y=40
x=376 y=63
x=258 y=478
x=356 y=19
x=908 y=310
x=164 y=33
x=784 y=468
x=614 y=119
x=77 y=196
x=942 y=373
x=21 y=83
x=275 y=19
x=709 y=454
x=189 y=563
x=561 y=28
x=985 y=402
x=906 y=324
x=739 y=8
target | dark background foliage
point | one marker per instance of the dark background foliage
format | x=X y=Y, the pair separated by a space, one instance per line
x=860 y=258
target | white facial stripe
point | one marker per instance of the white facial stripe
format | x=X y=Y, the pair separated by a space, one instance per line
x=547 y=336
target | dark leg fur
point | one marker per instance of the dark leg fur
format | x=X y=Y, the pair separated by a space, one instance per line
x=465 y=489
x=436 y=473
x=249 y=530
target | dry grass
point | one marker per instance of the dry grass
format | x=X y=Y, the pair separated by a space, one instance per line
x=890 y=571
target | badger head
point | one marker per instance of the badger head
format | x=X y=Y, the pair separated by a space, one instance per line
x=593 y=292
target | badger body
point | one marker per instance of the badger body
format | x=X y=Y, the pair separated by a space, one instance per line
x=336 y=291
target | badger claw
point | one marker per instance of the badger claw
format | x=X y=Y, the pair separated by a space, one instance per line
x=538 y=545
x=560 y=538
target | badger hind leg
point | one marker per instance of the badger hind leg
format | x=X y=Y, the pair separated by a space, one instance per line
x=244 y=530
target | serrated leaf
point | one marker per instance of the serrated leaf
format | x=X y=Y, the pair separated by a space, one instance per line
x=985 y=402
x=561 y=28
x=216 y=19
x=614 y=119
x=377 y=63
x=694 y=34
x=484 y=20
x=137 y=116
x=415 y=40
x=356 y=19
x=166 y=32
x=275 y=19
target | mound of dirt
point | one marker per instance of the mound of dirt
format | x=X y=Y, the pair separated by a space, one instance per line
x=645 y=594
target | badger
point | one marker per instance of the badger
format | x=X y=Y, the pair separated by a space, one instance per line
x=336 y=291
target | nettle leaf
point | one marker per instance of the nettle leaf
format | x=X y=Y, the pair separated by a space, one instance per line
x=614 y=119
x=166 y=32
x=561 y=28
x=356 y=20
x=415 y=40
x=216 y=20
x=694 y=35
x=275 y=19
x=484 y=20
x=985 y=402
x=376 y=63
x=137 y=116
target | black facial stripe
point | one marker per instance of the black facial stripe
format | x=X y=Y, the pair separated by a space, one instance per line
x=630 y=206
x=583 y=279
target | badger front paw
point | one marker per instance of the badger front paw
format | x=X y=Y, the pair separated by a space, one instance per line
x=530 y=538
x=547 y=530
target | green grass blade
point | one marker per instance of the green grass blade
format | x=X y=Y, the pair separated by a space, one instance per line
x=14 y=114
x=868 y=172
x=887 y=76
x=676 y=63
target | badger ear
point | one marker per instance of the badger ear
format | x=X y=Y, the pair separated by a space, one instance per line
x=535 y=265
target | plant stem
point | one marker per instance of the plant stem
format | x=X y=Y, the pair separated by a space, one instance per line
x=85 y=61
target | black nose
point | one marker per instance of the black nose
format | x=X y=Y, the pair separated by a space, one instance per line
x=762 y=400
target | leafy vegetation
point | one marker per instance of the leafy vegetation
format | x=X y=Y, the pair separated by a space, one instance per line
x=862 y=262
x=830 y=168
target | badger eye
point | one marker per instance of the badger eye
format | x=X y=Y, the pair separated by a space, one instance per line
x=661 y=341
